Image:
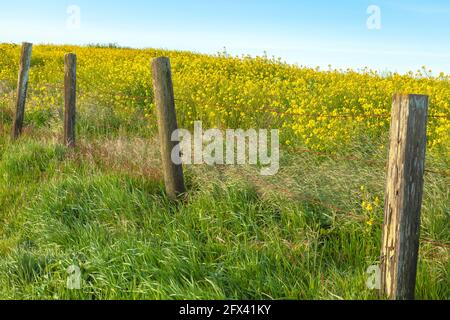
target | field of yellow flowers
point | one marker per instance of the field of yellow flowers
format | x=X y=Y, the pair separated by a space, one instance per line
x=318 y=109
x=310 y=232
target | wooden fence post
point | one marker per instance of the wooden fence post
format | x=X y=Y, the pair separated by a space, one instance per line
x=70 y=98
x=167 y=124
x=22 y=88
x=404 y=192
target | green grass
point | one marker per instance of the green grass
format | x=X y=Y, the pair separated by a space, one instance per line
x=235 y=237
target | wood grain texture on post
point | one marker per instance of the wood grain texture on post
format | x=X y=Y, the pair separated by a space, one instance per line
x=167 y=124
x=404 y=192
x=70 y=98
x=22 y=88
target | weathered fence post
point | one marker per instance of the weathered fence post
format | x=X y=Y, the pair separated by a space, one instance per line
x=22 y=87
x=70 y=98
x=167 y=124
x=404 y=192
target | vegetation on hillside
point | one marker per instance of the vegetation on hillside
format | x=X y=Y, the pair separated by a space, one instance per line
x=309 y=232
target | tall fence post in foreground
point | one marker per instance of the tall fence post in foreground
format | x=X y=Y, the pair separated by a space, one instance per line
x=70 y=98
x=167 y=124
x=404 y=192
x=22 y=87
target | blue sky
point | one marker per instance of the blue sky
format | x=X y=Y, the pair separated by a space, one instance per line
x=315 y=33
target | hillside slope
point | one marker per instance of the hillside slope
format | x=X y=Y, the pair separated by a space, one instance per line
x=309 y=232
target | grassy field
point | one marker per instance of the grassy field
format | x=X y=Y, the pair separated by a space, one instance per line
x=309 y=232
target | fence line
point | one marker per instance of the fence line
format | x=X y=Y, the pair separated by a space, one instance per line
x=265 y=110
x=315 y=201
x=441 y=173
x=406 y=163
x=356 y=159
x=291 y=113
x=301 y=150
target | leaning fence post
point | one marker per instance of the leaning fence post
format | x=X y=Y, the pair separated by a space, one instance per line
x=167 y=124
x=404 y=192
x=70 y=98
x=22 y=87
